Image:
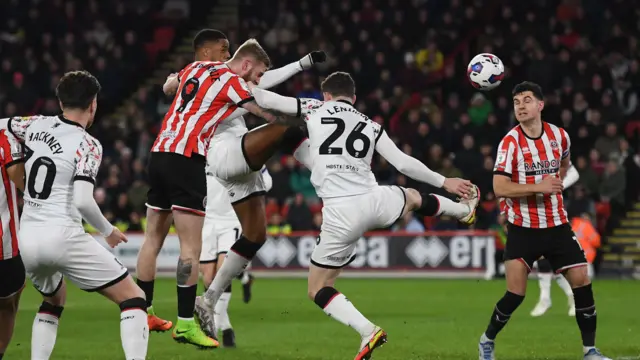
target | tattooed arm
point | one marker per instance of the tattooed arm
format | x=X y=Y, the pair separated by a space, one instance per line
x=272 y=117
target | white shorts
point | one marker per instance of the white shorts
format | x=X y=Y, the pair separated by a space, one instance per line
x=227 y=162
x=51 y=252
x=217 y=238
x=345 y=219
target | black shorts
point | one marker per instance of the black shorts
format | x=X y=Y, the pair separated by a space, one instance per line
x=557 y=244
x=177 y=182
x=13 y=276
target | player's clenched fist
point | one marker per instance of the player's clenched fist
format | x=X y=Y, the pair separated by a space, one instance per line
x=462 y=188
x=116 y=237
x=550 y=185
x=314 y=57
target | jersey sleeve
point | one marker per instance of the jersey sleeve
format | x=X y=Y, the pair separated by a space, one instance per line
x=565 y=143
x=307 y=106
x=18 y=125
x=238 y=91
x=11 y=149
x=505 y=156
x=88 y=159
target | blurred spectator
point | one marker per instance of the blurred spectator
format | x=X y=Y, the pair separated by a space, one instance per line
x=298 y=214
x=277 y=226
x=608 y=143
x=613 y=186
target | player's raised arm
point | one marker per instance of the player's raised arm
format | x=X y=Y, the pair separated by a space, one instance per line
x=503 y=186
x=284 y=104
x=275 y=77
x=415 y=169
x=89 y=156
x=13 y=158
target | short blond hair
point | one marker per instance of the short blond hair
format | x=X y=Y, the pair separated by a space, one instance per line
x=252 y=48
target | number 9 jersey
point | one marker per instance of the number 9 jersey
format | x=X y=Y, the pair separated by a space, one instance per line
x=57 y=153
x=342 y=142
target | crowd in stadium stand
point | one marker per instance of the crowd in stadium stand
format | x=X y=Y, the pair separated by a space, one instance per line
x=409 y=62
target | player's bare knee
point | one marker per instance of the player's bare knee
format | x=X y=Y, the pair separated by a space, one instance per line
x=414 y=200
x=578 y=276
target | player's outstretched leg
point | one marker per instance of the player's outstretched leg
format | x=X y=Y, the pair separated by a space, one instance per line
x=252 y=218
x=45 y=324
x=585 y=311
x=257 y=146
x=337 y=306
x=436 y=205
x=158 y=225
x=189 y=229
x=545 y=274
x=516 y=274
x=134 y=330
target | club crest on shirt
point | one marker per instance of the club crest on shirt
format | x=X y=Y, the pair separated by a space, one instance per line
x=554 y=144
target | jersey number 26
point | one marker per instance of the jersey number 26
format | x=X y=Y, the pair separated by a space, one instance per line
x=355 y=134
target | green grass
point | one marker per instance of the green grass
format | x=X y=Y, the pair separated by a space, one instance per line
x=425 y=319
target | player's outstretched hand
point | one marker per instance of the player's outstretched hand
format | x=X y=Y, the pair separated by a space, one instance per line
x=314 y=57
x=462 y=188
x=116 y=237
x=550 y=185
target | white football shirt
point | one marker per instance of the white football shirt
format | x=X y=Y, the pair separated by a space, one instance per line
x=342 y=142
x=57 y=153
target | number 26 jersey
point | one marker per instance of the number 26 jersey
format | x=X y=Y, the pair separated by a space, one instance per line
x=342 y=142
x=58 y=152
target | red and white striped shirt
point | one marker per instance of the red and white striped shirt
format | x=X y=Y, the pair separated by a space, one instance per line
x=207 y=94
x=10 y=154
x=527 y=161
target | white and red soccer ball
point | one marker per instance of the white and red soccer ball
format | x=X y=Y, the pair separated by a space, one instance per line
x=485 y=71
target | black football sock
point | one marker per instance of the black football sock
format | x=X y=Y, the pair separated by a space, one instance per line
x=430 y=205
x=147 y=287
x=186 y=300
x=502 y=313
x=586 y=314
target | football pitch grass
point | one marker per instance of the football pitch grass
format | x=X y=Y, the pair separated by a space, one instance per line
x=425 y=319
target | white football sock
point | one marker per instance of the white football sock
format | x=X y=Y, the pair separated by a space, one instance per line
x=245 y=275
x=450 y=207
x=221 y=314
x=134 y=333
x=232 y=266
x=544 y=280
x=565 y=286
x=341 y=309
x=43 y=336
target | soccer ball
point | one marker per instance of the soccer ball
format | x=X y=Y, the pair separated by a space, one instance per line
x=485 y=72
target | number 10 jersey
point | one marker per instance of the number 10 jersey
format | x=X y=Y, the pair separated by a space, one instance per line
x=58 y=152
x=342 y=142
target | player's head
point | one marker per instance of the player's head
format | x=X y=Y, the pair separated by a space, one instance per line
x=77 y=92
x=528 y=101
x=211 y=45
x=250 y=61
x=339 y=85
